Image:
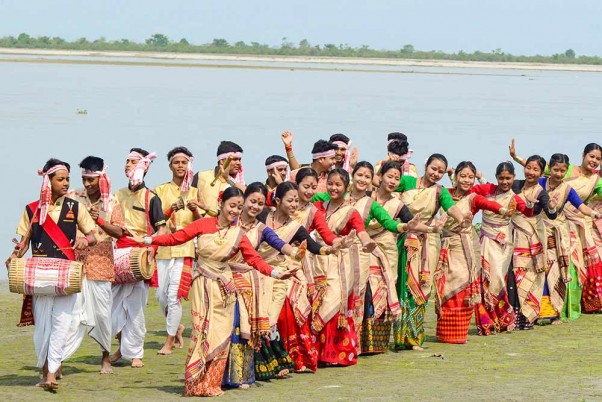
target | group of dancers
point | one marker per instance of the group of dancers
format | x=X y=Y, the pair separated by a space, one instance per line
x=315 y=265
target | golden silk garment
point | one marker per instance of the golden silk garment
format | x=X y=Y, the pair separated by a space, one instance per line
x=339 y=273
x=458 y=267
x=276 y=290
x=583 y=246
x=422 y=248
x=529 y=259
x=170 y=193
x=212 y=297
x=253 y=306
x=209 y=194
x=559 y=248
x=496 y=250
x=383 y=263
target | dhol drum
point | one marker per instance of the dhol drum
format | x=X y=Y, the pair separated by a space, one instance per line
x=45 y=276
x=132 y=264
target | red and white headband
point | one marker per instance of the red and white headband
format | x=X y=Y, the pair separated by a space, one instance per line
x=325 y=154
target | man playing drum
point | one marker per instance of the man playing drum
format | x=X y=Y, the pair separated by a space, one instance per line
x=143 y=215
x=174 y=264
x=96 y=297
x=51 y=225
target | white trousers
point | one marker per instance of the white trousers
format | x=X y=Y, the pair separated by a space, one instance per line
x=169 y=273
x=52 y=316
x=92 y=314
x=127 y=316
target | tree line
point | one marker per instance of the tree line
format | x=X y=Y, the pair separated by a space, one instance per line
x=161 y=43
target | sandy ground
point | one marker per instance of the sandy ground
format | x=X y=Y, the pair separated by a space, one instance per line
x=349 y=61
x=552 y=363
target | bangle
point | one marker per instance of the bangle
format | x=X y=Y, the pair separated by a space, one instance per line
x=288 y=148
x=148 y=240
x=552 y=211
x=100 y=221
x=503 y=211
x=430 y=229
x=323 y=251
x=274 y=273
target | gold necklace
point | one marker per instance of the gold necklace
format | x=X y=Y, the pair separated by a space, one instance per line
x=274 y=221
x=333 y=212
x=221 y=240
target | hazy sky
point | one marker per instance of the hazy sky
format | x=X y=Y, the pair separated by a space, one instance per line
x=515 y=26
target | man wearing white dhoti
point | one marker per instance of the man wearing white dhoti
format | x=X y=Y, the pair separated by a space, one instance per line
x=174 y=264
x=51 y=224
x=143 y=215
x=92 y=311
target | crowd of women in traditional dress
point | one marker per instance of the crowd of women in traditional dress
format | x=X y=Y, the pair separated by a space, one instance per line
x=315 y=266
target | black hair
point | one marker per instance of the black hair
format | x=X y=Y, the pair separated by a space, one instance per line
x=436 y=156
x=398 y=147
x=388 y=165
x=323 y=146
x=179 y=150
x=305 y=172
x=93 y=163
x=274 y=159
x=540 y=161
x=53 y=162
x=506 y=166
x=256 y=187
x=339 y=137
x=558 y=158
x=141 y=151
x=284 y=188
x=397 y=136
x=231 y=192
x=465 y=164
x=363 y=164
x=592 y=146
x=342 y=173
x=225 y=147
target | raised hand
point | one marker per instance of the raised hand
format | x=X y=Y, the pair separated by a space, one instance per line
x=414 y=222
x=512 y=149
x=353 y=158
x=553 y=203
x=467 y=221
x=94 y=212
x=511 y=210
x=301 y=250
x=287 y=138
x=439 y=223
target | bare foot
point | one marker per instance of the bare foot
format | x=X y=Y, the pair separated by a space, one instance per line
x=556 y=322
x=59 y=372
x=105 y=365
x=418 y=348
x=114 y=358
x=282 y=373
x=164 y=351
x=42 y=382
x=179 y=337
x=244 y=386
x=137 y=363
x=50 y=384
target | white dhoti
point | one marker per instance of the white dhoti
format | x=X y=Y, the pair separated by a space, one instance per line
x=53 y=317
x=92 y=314
x=169 y=273
x=127 y=316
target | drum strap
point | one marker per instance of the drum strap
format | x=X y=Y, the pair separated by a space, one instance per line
x=56 y=234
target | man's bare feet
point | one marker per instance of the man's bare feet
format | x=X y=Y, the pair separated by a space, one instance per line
x=114 y=358
x=418 y=348
x=164 y=351
x=51 y=384
x=105 y=365
x=179 y=343
x=59 y=372
x=137 y=363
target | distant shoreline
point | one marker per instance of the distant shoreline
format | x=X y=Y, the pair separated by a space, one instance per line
x=348 y=61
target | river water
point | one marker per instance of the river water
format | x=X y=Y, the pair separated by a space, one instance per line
x=466 y=114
